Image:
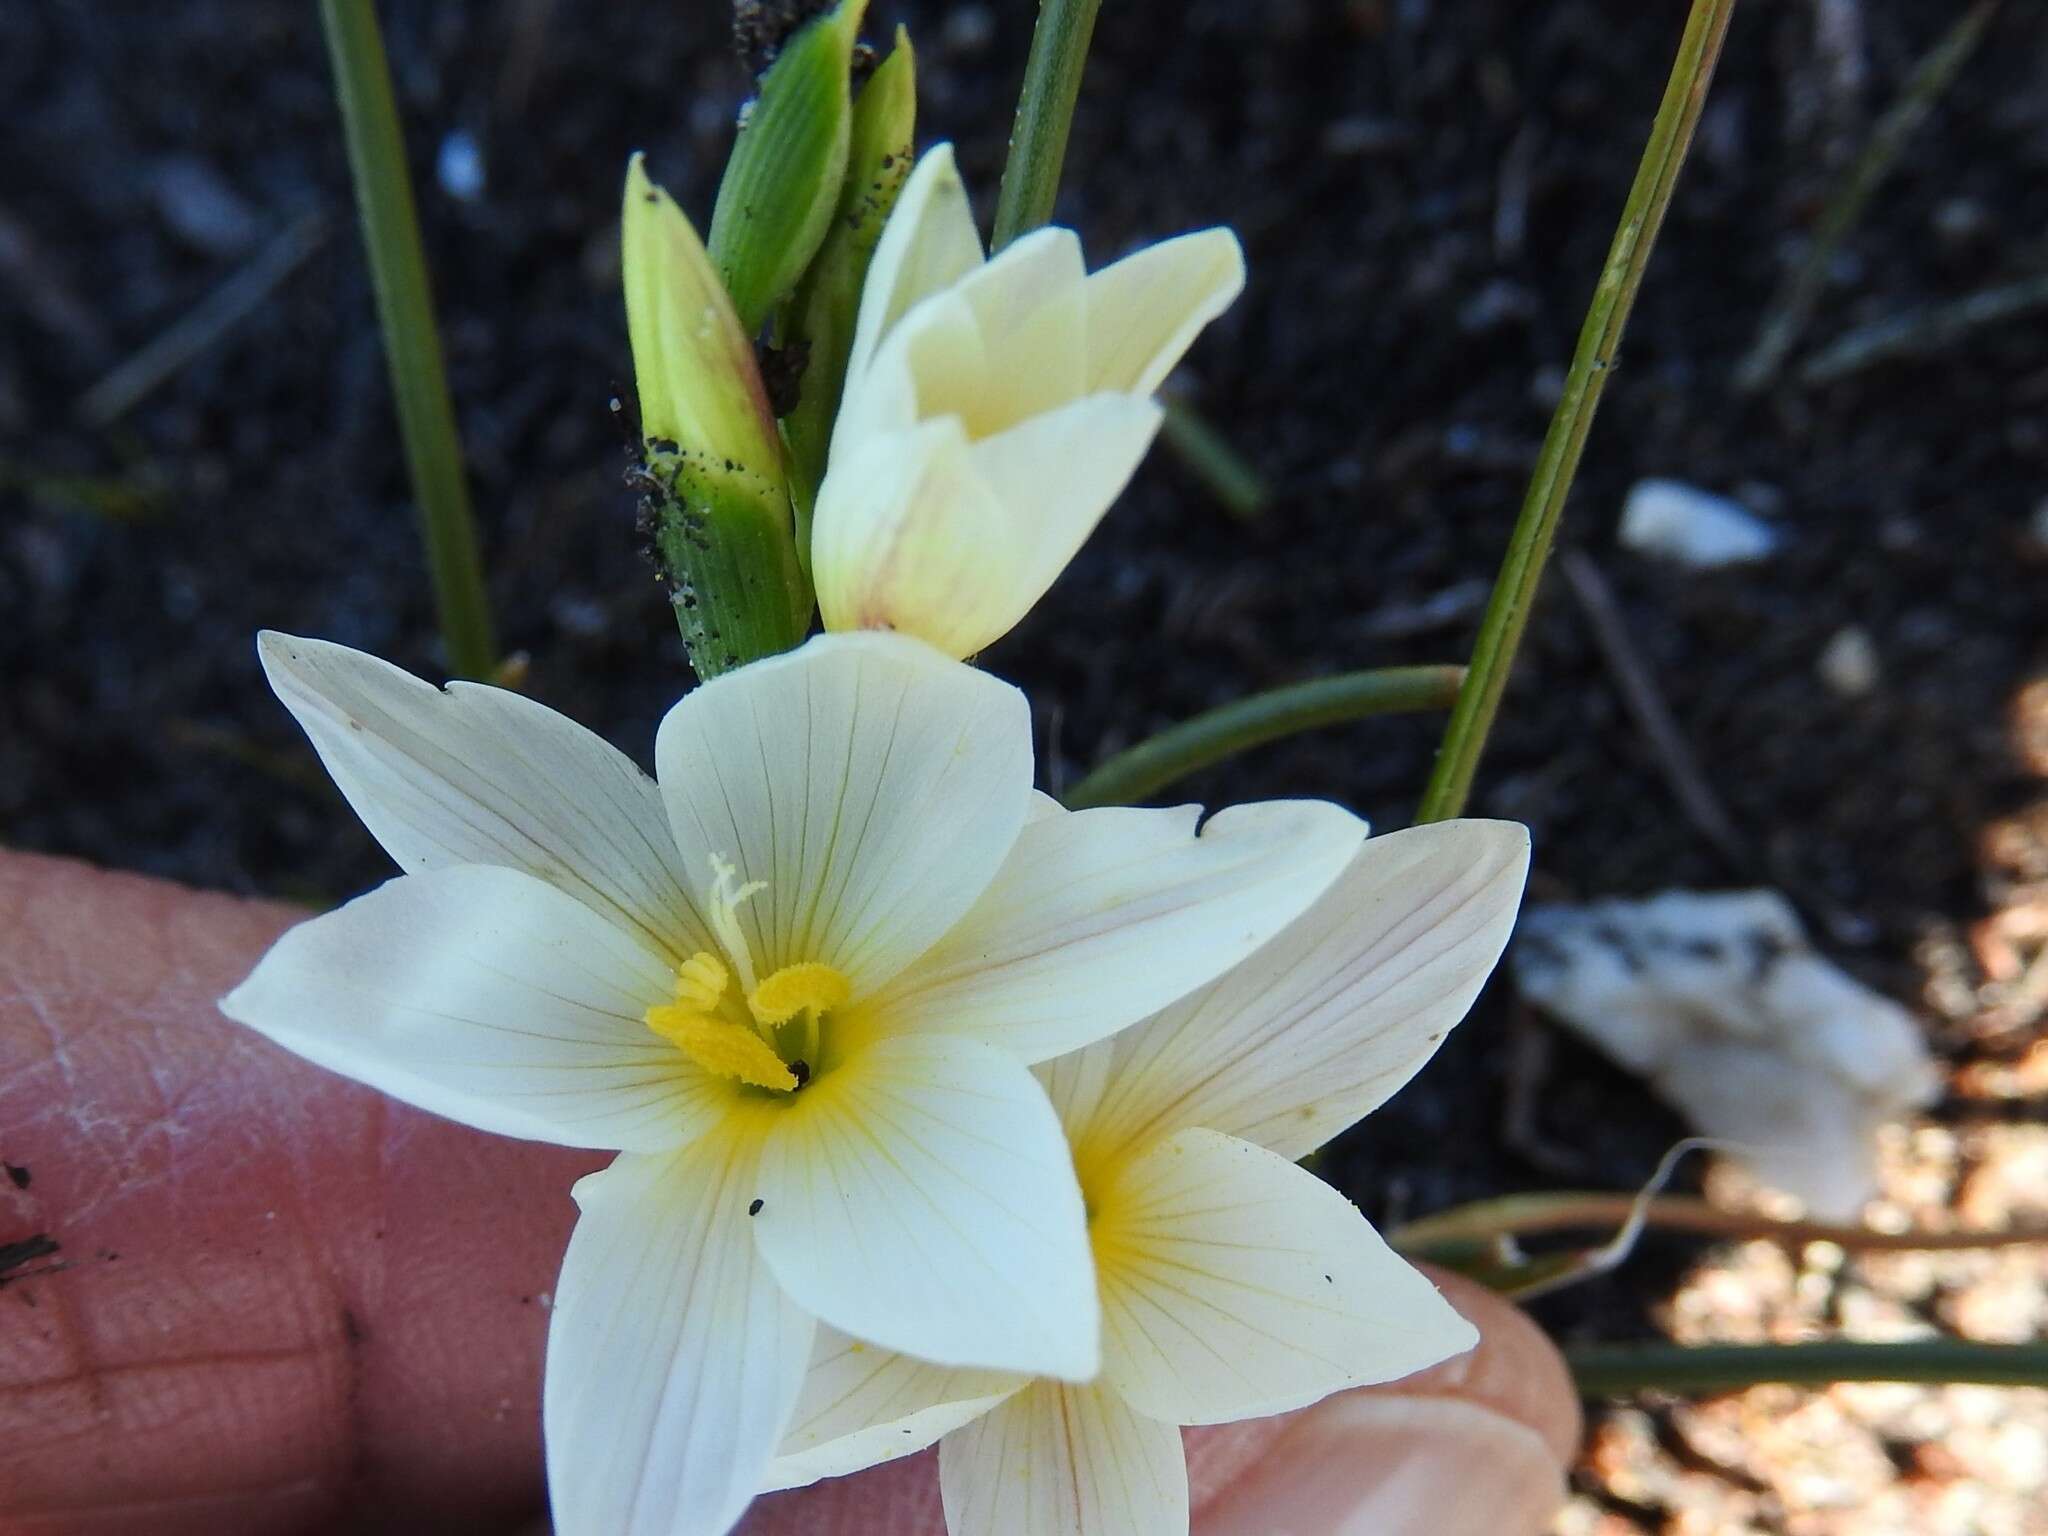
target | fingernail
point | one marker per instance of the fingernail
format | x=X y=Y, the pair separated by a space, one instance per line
x=1381 y=1465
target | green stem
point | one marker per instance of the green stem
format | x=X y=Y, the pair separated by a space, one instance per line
x=1208 y=738
x=1211 y=458
x=1791 y=306
x=1621 y=1370
x=1514 y=590
x=1485 y=1221
x=412 y=345
x=1045 y=110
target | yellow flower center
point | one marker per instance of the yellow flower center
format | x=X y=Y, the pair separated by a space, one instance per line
x=774 y=1044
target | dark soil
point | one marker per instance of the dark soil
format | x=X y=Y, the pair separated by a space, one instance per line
x=1425 y=190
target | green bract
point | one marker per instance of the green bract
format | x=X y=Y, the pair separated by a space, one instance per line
x=716 y=497
x=782 y=183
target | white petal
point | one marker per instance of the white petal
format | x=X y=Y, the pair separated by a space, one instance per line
x=1323 y=1025
x=934 y=353
x=487 y=996
x=907 y=537
x=919 y=1195
x=674 y=1360
x=872 y=784
x=1101 y=917
x=1064 y=1461
x=476 y=775
x=1146 y=310
x=862 y=1406
x=922 y=531
x=1076 y=1083
x=1236 y=1285
x=1030 y=307
x=1056 y=475
x=928 y=243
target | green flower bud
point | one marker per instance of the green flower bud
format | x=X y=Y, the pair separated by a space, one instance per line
x=716 y=499
x=782 y=182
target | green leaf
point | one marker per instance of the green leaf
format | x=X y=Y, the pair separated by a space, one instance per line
x=783 y=180
x=827 y=303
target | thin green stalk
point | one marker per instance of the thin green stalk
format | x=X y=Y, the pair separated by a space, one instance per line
x=1793 y=303
x=1210 y=457
x=1621 y=1370
x=1045 y=110
x=1487 y=1221
x=1514 y=590
x=412 y=344
x=1245 y=723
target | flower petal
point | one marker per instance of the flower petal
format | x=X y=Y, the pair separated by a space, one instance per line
x=928 y=243
x=1064 y=1461
x=907 y=537
x=919 y=1195
x=487 y=996
x=1030 y=306
x=925 y=532
x=674 y=1360
x=1236 y=1285
x=1145 y=311
x=476 y=775
x=1100 y=917
x=1324 y=1024
x=862 y=1405
x=1056 y=475
x=873 y=785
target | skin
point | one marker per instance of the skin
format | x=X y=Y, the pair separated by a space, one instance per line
x=283 y=1303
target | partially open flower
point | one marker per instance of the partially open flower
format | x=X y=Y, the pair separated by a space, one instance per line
x=993 y=410
x=798 y=986
x=1233 y=1283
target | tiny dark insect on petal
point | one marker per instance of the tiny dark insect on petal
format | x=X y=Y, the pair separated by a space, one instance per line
x=754 y=1209
x=801 y=1071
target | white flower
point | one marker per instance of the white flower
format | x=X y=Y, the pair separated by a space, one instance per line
x=992 y=411
x=1233 y=1283
x=797 y=986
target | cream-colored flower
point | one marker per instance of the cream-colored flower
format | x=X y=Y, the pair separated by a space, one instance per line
x=993 y=410
x=798 y=986
x=1233 y=1283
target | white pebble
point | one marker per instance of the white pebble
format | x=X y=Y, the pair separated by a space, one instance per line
x=1680 y=522
x=1848 y=662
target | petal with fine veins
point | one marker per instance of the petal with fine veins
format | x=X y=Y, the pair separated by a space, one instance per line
x=1324 y=1024
x=1064 y=1461
x=1146 y=310
x=1236 y=1285
x=674 y=1360
x=873 y=787
x=862 y=1405
x=477 y=775
x=491 y=998
x=919 y=1196
x=1101 y=917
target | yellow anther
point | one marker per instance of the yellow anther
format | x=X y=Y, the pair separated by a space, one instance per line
x=700 y=982
x=794 y=988
x=722 y=1048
